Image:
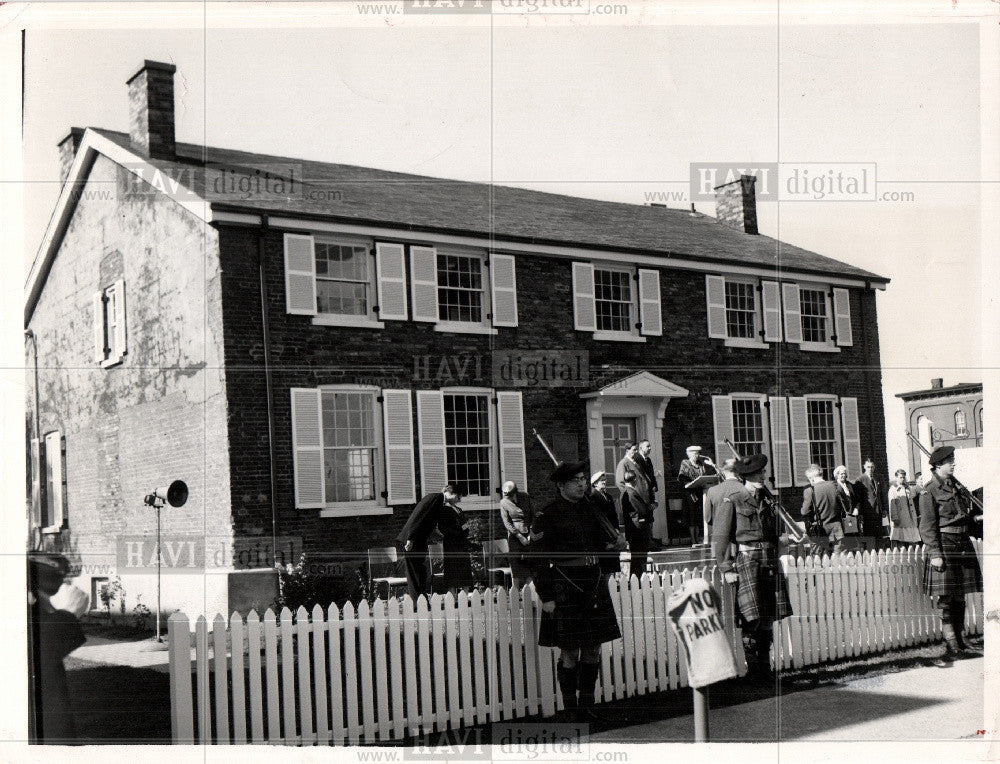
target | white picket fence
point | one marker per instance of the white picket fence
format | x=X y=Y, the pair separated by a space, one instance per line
x=398 y=669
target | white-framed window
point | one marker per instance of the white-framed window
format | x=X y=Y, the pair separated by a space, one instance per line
x=754 y=423
x=744 y=311
x=473 y=437
x=825 y=430
x=352 y=449
x=109 y=324
x=615 y=302
x=52 y=502
x=344 y=280
x=961 y=426
x=463 y=290
x=817 y=316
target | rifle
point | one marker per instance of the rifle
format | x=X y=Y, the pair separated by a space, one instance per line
x=958 y=483
x=797 y=534
x=606 y=524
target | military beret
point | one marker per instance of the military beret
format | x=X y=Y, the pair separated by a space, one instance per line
x=750 y=464
x=567 y=471
x=941 y=454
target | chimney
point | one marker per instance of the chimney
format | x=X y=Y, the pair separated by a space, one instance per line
x=68 y=147
x=151 y=110
x=736 y=204
x=937 y=383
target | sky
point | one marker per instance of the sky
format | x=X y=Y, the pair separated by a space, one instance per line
x=610 y=111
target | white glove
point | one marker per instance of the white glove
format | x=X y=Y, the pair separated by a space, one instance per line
x=71 y=599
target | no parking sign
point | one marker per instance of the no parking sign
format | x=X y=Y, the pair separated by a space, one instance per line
x=694 y=614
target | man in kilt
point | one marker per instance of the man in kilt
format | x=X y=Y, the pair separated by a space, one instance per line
x=952 y=569
x=746 y=519
x=574 y=548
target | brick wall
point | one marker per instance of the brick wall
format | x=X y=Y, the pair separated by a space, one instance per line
x=159 y=415
x=304 y=355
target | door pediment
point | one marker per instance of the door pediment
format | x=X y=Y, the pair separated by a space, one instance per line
x=642 y=384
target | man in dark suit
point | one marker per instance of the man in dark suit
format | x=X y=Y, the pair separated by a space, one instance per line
x=637 y=516
x=645 y=464
x=822 y=503
x=420 y=525
x=715 y=494
x=876 y=518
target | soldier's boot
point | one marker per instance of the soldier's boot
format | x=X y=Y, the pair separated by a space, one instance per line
x=588 y=682
x=958 y=624
x=763 y=658
x=951 y=646
x=567 y=679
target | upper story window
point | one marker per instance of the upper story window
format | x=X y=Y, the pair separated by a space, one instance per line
x=961 y=427
x=748 y=426
x=460 y=294
x=754 y=424
x=743 y=311
x=345 y=279
x=48 y=483
x=814 y=315
x=817 y=317
x=615 y=302
x=109 y=324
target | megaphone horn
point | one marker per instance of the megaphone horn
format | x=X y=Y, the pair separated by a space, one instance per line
x=175 y=494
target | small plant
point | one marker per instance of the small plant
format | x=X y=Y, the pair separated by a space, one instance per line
x=141 y=615
x=297 y=587
x=111 y=592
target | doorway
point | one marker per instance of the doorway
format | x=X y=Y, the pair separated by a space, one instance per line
x=617 y=431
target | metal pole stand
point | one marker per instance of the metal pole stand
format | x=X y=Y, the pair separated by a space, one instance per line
x=700 y=715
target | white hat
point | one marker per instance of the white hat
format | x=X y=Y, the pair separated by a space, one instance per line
x=693 y=448
x=597 y=476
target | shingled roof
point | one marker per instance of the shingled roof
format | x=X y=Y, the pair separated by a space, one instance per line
x=394 y=199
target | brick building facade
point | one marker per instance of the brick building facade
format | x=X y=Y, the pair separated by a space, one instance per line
x=312 y=360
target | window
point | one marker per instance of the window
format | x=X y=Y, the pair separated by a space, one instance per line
x=109 y=324
x=822 y=435
x=613 y=300
x=467 y=441
x=812 y=306
x=349 y=446
x=740 y=310
x=344 y=283
x=460 y=288
x=961 y=428
x=748 y=426
x=98 y=585
x=53 y=484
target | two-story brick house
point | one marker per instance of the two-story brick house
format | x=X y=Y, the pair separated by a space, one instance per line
x=314 y=356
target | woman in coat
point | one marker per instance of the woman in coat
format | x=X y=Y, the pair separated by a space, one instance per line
x=903 y=511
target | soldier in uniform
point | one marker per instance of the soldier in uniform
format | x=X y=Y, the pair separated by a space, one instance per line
x=747 y=519
x=952 y=570
x=575 y=547
x=716 y=493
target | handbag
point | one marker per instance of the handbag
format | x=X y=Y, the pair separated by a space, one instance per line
x=850 y=524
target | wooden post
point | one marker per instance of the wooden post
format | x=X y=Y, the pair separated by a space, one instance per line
x=700 y=714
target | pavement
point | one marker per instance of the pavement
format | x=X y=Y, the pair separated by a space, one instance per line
x=922 y=703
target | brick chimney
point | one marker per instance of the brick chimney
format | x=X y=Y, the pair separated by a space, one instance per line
x=736 y=204
x=151 y=110
x=68 y=147
x=937 y=383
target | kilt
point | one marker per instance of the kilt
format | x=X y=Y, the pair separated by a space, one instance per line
x=961 y=574
x=761 y=590
x=581 y=618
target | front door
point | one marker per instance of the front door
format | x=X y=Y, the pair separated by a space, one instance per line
x=617 y=432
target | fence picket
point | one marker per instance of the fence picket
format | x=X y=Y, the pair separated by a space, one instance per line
x=661 y=632
x=530 y=650
x=478 y=643
x=288 y=676
x=303 y=654
x=455 y=669
x=380 y=630
x=438 y=659
x=334 y=630
x=349 y=641
x=465 y=656
x=638 y=623
x=649 y=631
x=181 y=710
x=201 y=667
x=318 y=626
x=221 y=671
x=518 y=647
x=502 y=650
x=256 y=694
x=424 y=657
x=271 y=662
x=396 y=668
x=407 y=613
x=239 y=692
x=365 y=675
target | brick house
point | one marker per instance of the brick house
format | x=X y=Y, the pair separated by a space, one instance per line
x=314 y=356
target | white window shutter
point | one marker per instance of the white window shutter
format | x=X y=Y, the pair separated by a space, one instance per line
x=53 y=455
x=715 y=294
x=307 y=447
x=400 y=471
x=510 y=421
x=771 y=310
x=37 y=481
x=584 y=310
x=842 y=317
x=300 y=275
x=722 y=417
x=433 y=454
x=423 y=286
x=650 y=314
x=799 y=430
x=851 y=433
x=503 y=282
x=120 y=333
x=793 y=314
x=99 y=354
x=780 y=442
x=390 y=272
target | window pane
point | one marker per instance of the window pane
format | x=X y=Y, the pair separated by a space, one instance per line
x=460 y=288
x=348 y=440
x=342 y=279
x=740 y=309
x=613 y=300
x=748 y=426
x=812 y=304
x=467 y=437
x=342 y=298
x=822 y=435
